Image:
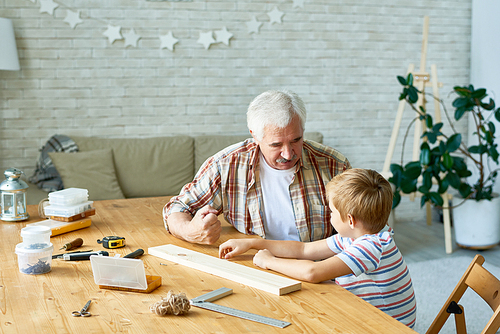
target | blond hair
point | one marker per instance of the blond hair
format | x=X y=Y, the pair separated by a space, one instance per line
x=364 y=194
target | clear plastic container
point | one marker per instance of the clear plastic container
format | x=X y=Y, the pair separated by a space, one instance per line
x=69 y=197
x=34 y=261
x=67 y=211
x=119 y=272
x=36 y=237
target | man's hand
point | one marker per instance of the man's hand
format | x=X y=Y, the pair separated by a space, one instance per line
x=205 y=227
x=234 y=247
x=262 y=258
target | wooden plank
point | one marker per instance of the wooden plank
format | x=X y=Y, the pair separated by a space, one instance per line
x=226 y=269
x=84 y=214
x=60 y=227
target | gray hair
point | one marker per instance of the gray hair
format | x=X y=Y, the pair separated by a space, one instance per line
x=276 y=108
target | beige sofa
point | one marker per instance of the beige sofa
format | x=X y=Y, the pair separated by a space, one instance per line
x=112 y=168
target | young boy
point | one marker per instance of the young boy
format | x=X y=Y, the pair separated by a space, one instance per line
x=363 y=257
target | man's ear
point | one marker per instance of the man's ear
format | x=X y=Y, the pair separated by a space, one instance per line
x=254 y=137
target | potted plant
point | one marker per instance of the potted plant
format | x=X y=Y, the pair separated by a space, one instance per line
x=445 y=160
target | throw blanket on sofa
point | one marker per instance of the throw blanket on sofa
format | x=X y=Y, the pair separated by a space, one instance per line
x=46 y=176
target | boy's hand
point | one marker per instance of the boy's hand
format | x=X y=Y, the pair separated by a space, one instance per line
x=262 y=258
x=234 y=247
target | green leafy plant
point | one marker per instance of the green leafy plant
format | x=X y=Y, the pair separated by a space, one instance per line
x=443 y=157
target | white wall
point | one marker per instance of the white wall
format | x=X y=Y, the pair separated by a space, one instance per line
x=485 y=51
x=342 y=57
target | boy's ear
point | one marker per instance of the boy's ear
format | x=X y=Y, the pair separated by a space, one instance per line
x=351 y=221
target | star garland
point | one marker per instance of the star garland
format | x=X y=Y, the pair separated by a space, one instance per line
x=275 y=15
x=168 y=41
x=73 y=18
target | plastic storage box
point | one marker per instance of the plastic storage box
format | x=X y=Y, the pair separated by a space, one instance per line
x=69 y=197
x=67 y=211
x=122 y=274
x=34 y=261
x=36 y=237
x=34 y=254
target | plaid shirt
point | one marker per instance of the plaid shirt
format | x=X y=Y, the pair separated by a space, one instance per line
x=229 y=182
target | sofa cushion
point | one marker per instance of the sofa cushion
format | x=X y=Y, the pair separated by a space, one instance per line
x=92 y=170
x=147 y=167
x=208 y=145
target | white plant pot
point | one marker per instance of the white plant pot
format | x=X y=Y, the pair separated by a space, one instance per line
x=477 y=224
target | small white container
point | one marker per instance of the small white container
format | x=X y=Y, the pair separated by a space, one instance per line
x=67 y=211
x=36 y=237
x=69 y=197
x=34 y=261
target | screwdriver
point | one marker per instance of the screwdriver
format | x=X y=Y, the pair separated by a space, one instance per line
x=73 y=244
x=135 y=254
x=82 y=256
x=59 y=256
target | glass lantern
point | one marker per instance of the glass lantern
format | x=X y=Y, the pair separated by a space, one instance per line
x=13 y=194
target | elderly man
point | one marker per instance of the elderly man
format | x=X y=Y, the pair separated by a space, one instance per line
x=272 y=184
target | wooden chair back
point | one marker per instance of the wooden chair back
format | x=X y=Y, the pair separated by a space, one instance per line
x=485 y=285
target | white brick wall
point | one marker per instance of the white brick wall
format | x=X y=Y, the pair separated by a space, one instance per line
x=342 y=57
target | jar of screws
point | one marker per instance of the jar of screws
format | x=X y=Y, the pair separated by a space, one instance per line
x=34 y=254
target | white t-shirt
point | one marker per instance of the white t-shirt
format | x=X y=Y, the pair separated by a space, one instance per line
x=279 y=220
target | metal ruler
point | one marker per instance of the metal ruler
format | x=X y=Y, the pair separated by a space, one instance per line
x=204 y=301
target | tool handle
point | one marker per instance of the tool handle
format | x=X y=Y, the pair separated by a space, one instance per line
x=60 y=256
x=134 y=254
x=73 y=244
x=83 y=256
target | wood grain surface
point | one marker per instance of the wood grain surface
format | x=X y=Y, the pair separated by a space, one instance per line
x=43 y=303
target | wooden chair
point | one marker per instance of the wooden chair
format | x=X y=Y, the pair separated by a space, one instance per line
x=485 y=285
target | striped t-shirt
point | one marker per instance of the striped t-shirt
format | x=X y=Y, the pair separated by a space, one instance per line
x=380 y=273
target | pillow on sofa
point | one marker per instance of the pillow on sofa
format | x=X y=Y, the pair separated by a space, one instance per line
x=207 y=145
x=91 y=170
x=146 y=167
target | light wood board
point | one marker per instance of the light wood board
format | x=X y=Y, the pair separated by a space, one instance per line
x=48 y=299
x=60 y=227
x=226 y=269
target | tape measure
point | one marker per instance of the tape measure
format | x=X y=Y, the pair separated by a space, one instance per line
x=112 y=242
x=204 y=301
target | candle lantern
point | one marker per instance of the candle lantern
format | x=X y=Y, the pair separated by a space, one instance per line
x=13 y=194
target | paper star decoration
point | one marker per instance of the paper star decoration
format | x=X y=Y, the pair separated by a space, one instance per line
x=298 y=3
x=253 y=26
x=113 y=33
x=223 y=36
x=72 y=18
x=48 y=6
x=131 y=38
x=206 y=38
x=275 y=15
x=168 y=41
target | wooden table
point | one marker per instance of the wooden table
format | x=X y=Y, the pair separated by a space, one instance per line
x=43 y=303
